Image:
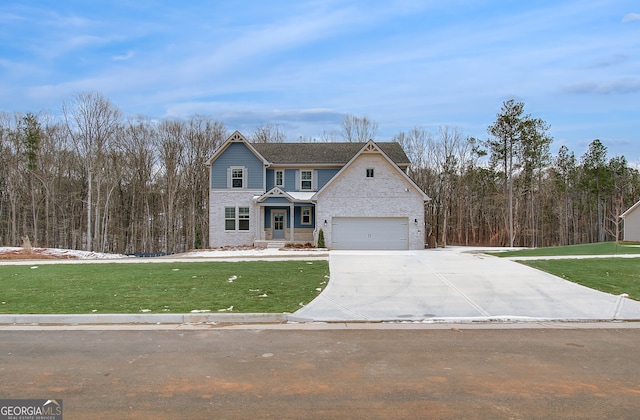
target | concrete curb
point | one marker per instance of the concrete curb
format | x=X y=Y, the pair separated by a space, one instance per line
x=99 y=319
x=268 y=318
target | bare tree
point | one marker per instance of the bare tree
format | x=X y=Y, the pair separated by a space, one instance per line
x=330 y=136
x=11 y=178
x=358 y=130
x=269 y=133
x=171 y=146
x=92 y=121
x=202 y=138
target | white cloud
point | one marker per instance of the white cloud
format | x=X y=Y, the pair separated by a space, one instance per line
x=124 y=57
x=630 y=17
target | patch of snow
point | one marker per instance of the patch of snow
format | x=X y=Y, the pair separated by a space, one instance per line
x=145 y=310
x=231 y=279
x=254 y=252
x=34 y=267
x=65 y=253
x=200 y=311
x=264 y=295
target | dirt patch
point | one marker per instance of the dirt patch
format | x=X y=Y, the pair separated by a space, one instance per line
x=33 y=254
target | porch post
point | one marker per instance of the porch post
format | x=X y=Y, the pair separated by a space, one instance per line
x=259 y=217
x=291 y=219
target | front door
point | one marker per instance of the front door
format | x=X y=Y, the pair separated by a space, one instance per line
x=278 y=224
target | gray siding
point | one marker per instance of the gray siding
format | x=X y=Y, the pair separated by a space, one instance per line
x=632 y=226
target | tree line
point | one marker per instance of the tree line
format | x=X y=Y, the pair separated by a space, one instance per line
x=508 y=190
x=94 y=179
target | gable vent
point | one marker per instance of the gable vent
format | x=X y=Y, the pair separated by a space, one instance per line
x=370 y=147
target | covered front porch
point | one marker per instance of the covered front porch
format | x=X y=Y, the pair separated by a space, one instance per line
x=284 y=218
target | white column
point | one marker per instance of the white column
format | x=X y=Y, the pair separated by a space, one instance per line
x=291 y=218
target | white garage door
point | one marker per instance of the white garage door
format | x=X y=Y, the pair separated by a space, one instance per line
x=370 y=233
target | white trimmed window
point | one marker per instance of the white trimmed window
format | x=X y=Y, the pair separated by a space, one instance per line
x=236 y=218
x=305 y=215
x=243 y=218
x=237 y=177
x=306 y=180
x=279 y=178
x=229 y=218
x=369 y=172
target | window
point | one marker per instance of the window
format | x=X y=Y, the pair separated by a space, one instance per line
x=237 y=177
x=279 y=181
x=306 y=215
x=369 y=172
x=306 y=178
x=230 y=220
x=243 y=218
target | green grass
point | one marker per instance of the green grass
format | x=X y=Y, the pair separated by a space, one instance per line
x=259 y=286
x=602 y=248
x=610 y=275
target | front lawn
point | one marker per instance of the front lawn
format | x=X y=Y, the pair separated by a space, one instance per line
x=601 y=248
x=256 y=286
x=610 y=275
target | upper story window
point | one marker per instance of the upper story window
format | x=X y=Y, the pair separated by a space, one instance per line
x=306 y=180
x=279 y=178
x=237 y=177
x=369 y=172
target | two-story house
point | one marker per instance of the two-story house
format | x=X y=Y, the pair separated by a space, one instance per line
x=359 y=194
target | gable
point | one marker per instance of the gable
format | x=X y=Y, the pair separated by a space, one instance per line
x=235 y=138
x=237 y=155
x=386 y=183
x=630 y=210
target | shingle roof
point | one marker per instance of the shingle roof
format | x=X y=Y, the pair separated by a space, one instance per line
x=324 y=153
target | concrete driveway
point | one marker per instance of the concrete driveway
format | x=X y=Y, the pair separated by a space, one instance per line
x=453 y=284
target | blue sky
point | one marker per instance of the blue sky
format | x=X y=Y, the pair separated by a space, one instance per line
x=305 y=64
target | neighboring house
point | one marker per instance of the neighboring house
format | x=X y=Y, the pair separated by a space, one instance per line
x=631 y=219
x=269 y=194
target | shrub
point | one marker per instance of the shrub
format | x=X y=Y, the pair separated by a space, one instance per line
x=321 y=239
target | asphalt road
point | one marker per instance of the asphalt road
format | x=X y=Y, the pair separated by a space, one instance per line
x=373 y=372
